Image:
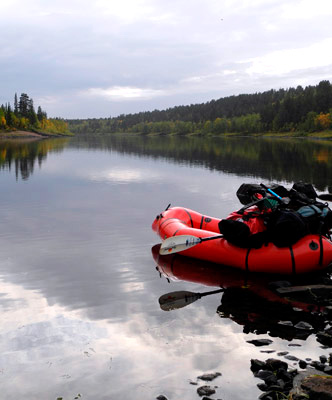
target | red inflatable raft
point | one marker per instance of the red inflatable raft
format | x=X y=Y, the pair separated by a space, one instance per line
x=311 y=253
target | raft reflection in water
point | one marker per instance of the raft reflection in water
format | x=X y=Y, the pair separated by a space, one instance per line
x=253 y=300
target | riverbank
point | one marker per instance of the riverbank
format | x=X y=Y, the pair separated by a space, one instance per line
x=294 y=135
x=29 y=134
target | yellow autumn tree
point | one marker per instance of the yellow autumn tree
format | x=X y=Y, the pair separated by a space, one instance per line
x=323 y=121
x=3 y=123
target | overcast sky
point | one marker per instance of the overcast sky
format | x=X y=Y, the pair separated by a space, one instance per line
x=101 y=58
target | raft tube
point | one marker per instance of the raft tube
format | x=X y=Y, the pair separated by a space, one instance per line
x=310 y=254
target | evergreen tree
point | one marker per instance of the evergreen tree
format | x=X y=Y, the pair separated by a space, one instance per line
x=9 y=115
x=15 y=105
x=23 y=105
x=31 y=114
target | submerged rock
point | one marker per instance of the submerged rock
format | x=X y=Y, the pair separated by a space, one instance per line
x=291 y=358
x=209 y=377
x=205 y=390
x=260 y=342
x=161 y=397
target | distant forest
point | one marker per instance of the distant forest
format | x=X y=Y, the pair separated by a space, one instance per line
x=297 y=109
x=24 y=117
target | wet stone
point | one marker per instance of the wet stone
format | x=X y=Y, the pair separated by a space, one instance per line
x=205 y=390
x=303 y=364
x=260 y=342
x=286 y=323
x=328 y=369
x=273 y=364
x=291 y=358
x=263 y=374
x=323 y=359
x=256 y=365
x=161 y=397
x=304 y=325
x=267 y=396
x=284 y=375
x=263 y=387
x=282 y=353
x=271 y=380
x=318 y=365
x=209 y=377
x=325 y=337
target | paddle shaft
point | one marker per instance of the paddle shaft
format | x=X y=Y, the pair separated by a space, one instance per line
x=211 y=238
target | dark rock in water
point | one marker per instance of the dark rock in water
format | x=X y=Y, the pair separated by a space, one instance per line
x=291 y=358
x=264 y=374
x=273 y=364
x=271 y=380
x=294 y=345
x=270 y=395
x=260 y=342
x=303 y=325
x=325 y=337
x=303 y=364
x=209 y=377
x=161 y=397
x=268 y=351
x=284 y=375
x=318 y=387
x=263 y=387
x=286 y=323
x=282 y=353
x=318 y=365
x=205 y=391
x=323 y=359
x=256 y=365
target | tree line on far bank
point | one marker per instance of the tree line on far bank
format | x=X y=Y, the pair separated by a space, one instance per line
x=297 y=109
x=24 y=117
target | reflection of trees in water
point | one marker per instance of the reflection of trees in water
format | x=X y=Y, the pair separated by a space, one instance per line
x=273 y=159
x=24 y=154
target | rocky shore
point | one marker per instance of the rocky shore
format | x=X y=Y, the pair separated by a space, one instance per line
x=286 y=377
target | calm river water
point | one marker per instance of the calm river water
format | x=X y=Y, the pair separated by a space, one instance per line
x=79 y=286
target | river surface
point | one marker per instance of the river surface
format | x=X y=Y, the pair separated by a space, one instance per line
x=79 y=286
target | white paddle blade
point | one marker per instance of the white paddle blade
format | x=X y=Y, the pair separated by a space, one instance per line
x=176 y=300
x=175 y=244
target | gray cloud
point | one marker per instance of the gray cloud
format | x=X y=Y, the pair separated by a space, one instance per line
x=95 y=59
